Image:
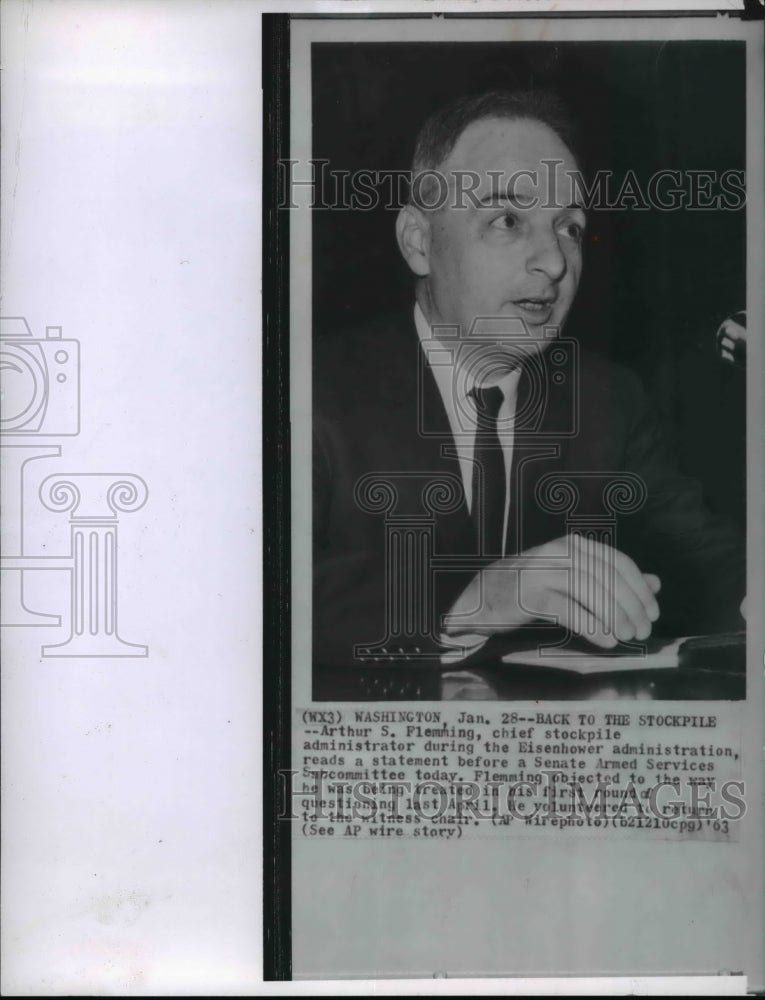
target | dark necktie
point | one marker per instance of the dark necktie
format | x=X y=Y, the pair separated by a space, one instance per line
x=489 y=482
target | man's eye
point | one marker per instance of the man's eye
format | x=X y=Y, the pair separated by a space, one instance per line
x=508 y=221
x=574 y=231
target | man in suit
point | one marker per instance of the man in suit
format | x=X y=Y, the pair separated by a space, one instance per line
x=475 y=473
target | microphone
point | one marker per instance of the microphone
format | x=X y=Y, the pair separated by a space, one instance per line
x=730 y=340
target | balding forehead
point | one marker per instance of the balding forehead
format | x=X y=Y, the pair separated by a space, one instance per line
x=512 y=159
x=493 y=142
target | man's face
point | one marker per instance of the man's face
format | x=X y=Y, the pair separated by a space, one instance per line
x=505 y=256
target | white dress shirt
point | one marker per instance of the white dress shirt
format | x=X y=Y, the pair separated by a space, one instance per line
x=449 y=363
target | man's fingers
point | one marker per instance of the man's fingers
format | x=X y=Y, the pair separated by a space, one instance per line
x=592 y=586
x=626 y=567
x=578 y=619
x=653 y=582
x=623 y=585
x=600 y=579
x=625 y=602
x=589 y=588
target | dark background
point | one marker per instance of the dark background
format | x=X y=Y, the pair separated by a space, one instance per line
x=655 y=284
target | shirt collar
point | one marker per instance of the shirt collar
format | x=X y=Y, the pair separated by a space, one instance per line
x=508 y=383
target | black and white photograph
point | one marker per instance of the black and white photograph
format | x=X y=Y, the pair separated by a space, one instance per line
x=529 y=367
x=382 y=486
x=525 y=497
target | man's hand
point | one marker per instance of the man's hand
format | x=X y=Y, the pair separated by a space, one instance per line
x=589 y=588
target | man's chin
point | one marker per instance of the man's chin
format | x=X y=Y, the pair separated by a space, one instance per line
x=489 y=359
x=512 y=327
x=519 y=351
x=534 y=338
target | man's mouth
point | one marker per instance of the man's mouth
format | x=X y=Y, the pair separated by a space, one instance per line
x=534 y=305
x=536 y=311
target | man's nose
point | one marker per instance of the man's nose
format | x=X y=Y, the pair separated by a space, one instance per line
x=546 y=256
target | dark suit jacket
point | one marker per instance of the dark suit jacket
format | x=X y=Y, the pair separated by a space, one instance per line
x=389 y=502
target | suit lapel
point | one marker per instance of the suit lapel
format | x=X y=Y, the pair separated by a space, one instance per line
x=423 y=445
x=546 y=416
x=426 y=452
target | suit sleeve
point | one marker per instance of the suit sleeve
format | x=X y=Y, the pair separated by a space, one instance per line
x=699 y=556
x=349 y=583
x=346 y=588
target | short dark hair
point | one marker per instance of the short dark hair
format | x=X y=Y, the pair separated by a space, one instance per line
x=438 y=136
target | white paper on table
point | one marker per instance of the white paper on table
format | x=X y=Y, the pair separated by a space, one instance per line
x=596 y=663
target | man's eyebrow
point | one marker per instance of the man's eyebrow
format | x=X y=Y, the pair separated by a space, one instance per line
x=498 y=198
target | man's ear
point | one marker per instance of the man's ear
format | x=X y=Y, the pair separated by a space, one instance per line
x=413 y=235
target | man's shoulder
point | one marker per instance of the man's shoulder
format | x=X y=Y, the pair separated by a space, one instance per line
x=602 y=378
x=361 y=342
x=355 y=365
x=600 y=368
